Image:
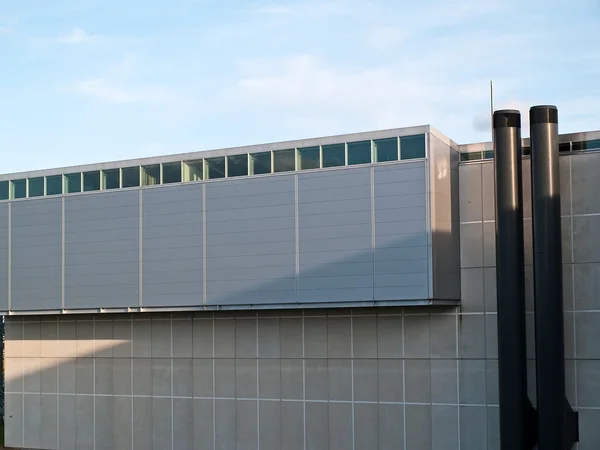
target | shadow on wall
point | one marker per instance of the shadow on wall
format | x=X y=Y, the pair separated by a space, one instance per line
x=397 y=269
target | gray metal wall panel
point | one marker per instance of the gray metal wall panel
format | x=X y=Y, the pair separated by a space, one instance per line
x=4 y=257
x=400 y=259
x=36 y=266
x=101 y=237
x=335 y=236
x=250 y=241
x=172 y=252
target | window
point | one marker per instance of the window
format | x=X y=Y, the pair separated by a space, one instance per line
x=151 y=175
x=91 y=181
x=525 y=150
x=284 y=160
x=412 y=147
x=260 y=163
x=111 y=179
x=4 y=190
x=471 y=156
x=130 y=176
x=193 y=170
x=54 y=185
x=171 y=172
x=19 y=188
x=488 y=154
x=237 y=165
x=72 y=183
x=593 y=145
x=359 y=153
x=386 y=149
x=215 y=168
x=309 y=158
x=334 y=155
x=564 y=147
x=36 y=187
x=586 y=145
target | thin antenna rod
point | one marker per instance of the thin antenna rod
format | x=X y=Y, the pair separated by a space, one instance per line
x=492 y=106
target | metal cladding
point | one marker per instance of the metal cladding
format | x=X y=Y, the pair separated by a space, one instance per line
x=515 y=434
x=555 y=422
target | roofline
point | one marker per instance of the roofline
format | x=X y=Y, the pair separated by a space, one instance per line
x=579 y=136
x=203 y=154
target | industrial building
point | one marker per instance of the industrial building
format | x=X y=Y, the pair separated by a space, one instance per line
x=327 y=293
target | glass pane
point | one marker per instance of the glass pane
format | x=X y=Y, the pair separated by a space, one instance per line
x=3 y=190
x=172 y=172
x=284 y=160
x=587 y=145
x=386 y=149
x=237 y=165
x=150 y=175
x=309 y=158
x=91 y=181
x=566 y=146
x=359 y=152
x=192 y=170
x=260 y=163
x=488 y=154
x=593 y=145
x=110 y=179
x=412 y=147
x=471 y=156
x=19 y=188
x=131 y=176
x=54 y=185
x=36 y=187
x=334 y=155
x=72 y=183
x=215 y=168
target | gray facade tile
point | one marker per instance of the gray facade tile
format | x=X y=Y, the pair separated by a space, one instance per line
x=473 y=427
x=417 y=380
x=389 y=336
x=416 y=336
x=390 y=378
x=442 y=329
x=418 y=427
x=366 y=420
x=444 y=428
x=472 y=381
x=270 y=418
x=317 y=424
x=444 y=385
x=341 y=431
x=203 y=424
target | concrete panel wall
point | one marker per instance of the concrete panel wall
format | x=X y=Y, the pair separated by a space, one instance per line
x=580 y=257
x=328 y=379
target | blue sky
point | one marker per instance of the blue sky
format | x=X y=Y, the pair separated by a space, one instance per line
x=96 y=80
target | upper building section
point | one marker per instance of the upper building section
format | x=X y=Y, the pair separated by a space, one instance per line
x=357 y=220
x=349 y=150
x=568 y=143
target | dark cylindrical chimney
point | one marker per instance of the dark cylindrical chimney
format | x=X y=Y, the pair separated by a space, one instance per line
x=512 y=368
x=547 y=273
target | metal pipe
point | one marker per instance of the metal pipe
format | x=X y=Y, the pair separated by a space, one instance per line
x=515 y=434
x=553 y=416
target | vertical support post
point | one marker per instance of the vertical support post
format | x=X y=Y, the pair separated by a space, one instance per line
x=515 y=409
x=556 y=421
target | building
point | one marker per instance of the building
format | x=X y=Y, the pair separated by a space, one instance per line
x=328 y=293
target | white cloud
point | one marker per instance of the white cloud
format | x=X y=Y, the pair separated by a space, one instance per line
x=101 y=89
x=77 y=36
